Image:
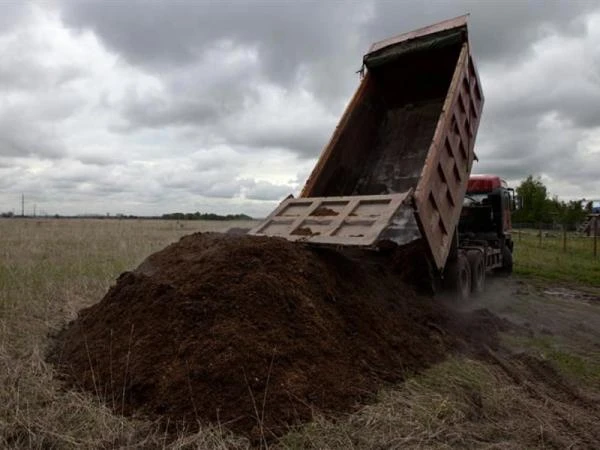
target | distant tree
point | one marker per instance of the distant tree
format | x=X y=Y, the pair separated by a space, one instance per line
x=589 y=206
x=534 y=204
x=572 y=213
x=204 y=216
x=536 y=207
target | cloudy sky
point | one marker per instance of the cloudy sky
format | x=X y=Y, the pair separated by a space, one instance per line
x=146 y=107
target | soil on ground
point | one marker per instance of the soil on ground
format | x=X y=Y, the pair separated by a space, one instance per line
x=256 y=333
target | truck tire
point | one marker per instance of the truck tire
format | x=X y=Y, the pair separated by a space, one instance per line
x=507 y=261
x=477 y=266
x=510 y=244
x=457 y=278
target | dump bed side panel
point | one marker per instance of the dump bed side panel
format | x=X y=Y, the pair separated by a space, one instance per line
x=444 y=178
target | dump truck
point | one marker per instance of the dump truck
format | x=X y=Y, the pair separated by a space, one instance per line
x=397 y=168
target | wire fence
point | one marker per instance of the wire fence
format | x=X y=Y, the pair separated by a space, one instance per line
x=556 y=237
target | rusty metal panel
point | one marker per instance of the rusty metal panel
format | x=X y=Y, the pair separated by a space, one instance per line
x=350 y=221
x=444 y=178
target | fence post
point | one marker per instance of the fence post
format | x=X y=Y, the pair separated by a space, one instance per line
x=595 y=236
x=564 y=239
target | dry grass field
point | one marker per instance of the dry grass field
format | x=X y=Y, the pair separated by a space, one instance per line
x=539 y=395
x=49 y=270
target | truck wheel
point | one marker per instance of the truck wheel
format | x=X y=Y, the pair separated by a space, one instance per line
x=507 y=261
x=457 y=278
x=510 y=245
x=477 y=266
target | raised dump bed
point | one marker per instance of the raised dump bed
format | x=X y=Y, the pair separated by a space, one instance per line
x=410 y=130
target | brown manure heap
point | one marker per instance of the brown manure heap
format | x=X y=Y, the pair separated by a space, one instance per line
x=253 y=333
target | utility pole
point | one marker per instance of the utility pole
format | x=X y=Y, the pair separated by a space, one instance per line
x=22 y=205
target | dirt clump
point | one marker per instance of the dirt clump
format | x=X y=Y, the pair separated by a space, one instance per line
x=304 y=231
x=324 y=211
x=252 y=333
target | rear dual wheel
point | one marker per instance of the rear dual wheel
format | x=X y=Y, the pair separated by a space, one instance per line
x=507 y=260
x=457 y=279
x=465 y=275
x=477 y=265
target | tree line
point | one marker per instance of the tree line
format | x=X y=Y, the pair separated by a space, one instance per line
x=535 y=206
x=170 y=216
x=204 y=216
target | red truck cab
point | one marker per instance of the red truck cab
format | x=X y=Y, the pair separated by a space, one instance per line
x=483 y=185
x=486 y=216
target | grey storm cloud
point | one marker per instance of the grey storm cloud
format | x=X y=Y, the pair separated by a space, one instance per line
x=23 y=138
x=96 y=160
x=187 y=100
x=215 y=84
x=20 y=72
x=160 y=112
x=24 y=63
x=227 y=184
x=312 y=42
x=160 y=34
x=290 y=34
x=499 y=31
x=13 y=14
x=264 y=190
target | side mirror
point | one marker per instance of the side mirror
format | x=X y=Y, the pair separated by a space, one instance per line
x=512 y=202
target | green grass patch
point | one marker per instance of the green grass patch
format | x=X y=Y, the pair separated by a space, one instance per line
x=576 y=366
x=546 y=259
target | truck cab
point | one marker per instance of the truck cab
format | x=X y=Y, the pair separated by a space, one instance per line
x=486 y=216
